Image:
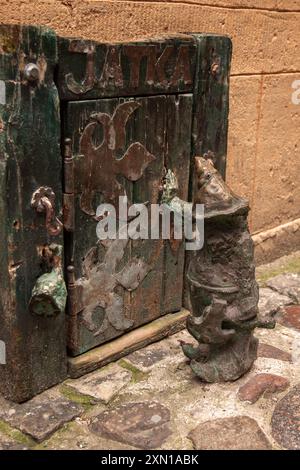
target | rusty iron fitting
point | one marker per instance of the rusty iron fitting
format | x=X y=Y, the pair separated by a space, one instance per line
x=32 y=72
x=43 y=201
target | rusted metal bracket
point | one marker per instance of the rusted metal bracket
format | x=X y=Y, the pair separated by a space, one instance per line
x=43 y=201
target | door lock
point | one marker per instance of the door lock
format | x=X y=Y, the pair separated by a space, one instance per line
x=43 y=201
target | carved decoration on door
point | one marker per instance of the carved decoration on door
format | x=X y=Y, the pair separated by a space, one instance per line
x=101 y=280
x=102 y=165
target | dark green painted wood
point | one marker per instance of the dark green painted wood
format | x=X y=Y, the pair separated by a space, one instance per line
x=211 y=98
x=211 y=107
x=29 y=158
x=128 y=69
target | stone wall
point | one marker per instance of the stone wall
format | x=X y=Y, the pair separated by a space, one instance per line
x=263 y=156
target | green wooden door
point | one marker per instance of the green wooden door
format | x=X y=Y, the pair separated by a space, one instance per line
x=122 y=147
x=131 y=111
x=30 y=159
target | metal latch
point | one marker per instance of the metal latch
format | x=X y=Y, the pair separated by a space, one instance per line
x=43 y=201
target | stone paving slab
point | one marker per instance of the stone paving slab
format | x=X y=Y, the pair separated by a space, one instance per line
x=142 y=424
x=42 y=415
x=266 y=350
x=102 y=385
x=236 y=433
x=286 y=420
x=290 y=317
x=282 y=337
x=7 y=443
x=271 y=301
x=261 y=384
x=287 y=284
x=77 y=436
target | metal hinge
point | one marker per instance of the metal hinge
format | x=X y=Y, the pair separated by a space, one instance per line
x=68 y=195
x=72 y=324
x=69 y=226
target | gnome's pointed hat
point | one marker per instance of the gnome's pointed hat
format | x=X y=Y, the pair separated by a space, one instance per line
x=212 y=191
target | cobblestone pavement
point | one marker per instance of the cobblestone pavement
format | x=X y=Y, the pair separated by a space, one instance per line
x=151 y=400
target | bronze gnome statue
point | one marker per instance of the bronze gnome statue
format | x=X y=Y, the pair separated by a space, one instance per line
x=220 y=281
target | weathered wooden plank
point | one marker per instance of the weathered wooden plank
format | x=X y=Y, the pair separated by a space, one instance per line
x=211 y=107
x=146 y=302
x=177 y=159
x=126 y=344
x=88 y=69
x=211 y=98
x=83 y=249
x=30 y=158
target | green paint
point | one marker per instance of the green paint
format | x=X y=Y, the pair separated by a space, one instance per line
x=169 y=196
x=49 y=295
x=170 y=187
x=30 y=157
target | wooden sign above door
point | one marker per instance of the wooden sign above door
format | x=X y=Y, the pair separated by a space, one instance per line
x=92 y=70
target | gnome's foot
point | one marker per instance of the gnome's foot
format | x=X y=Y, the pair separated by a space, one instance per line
x=229 y=362
x=199 y=353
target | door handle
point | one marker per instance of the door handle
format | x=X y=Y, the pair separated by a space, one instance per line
x=43 y=201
